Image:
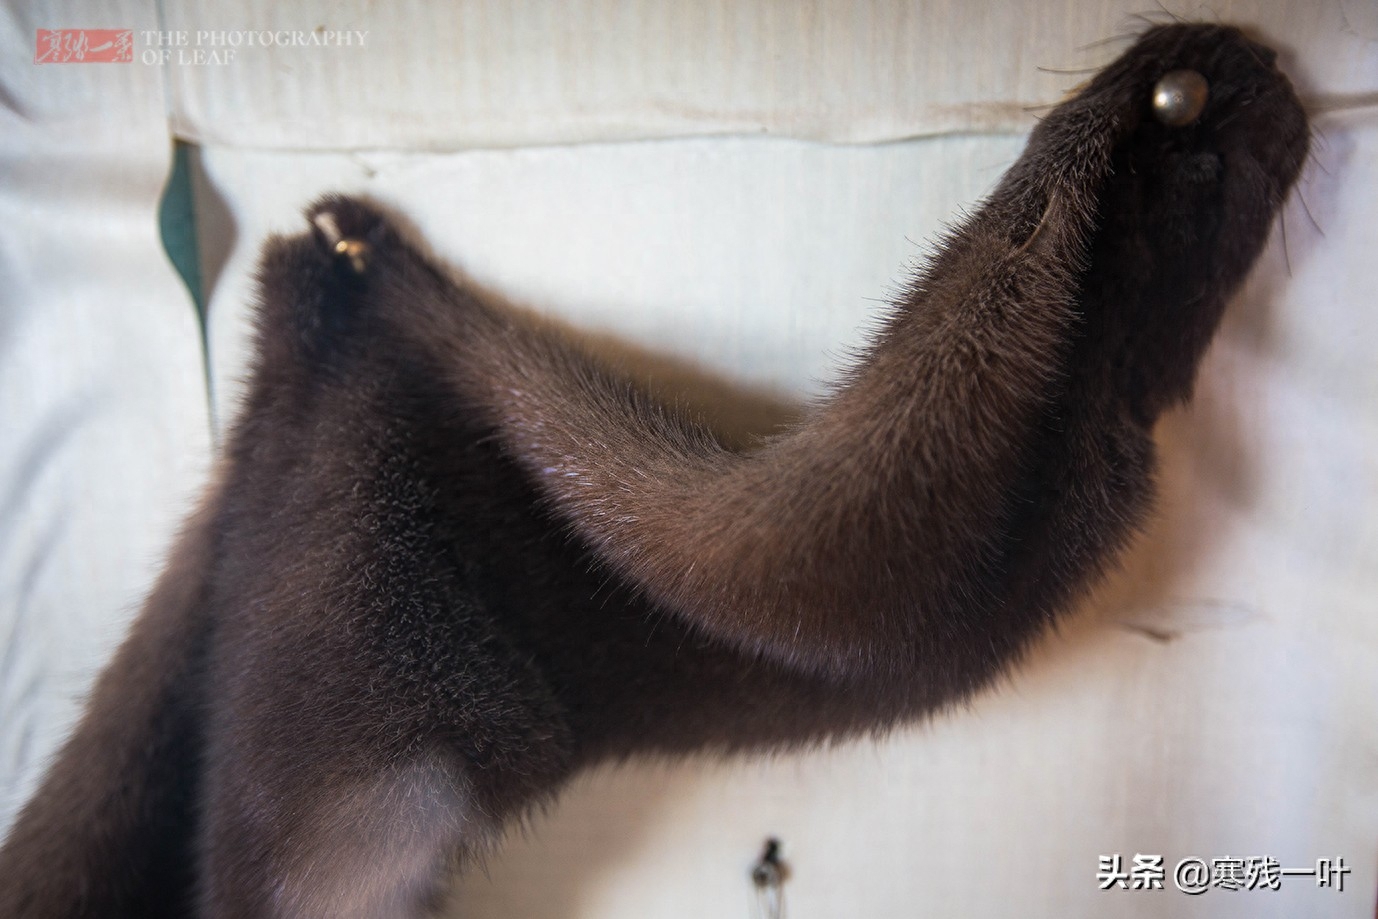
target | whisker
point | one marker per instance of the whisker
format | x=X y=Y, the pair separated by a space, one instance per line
x=1214 y=13
x=1318 y=135
x=1113 y=39
x=1255 y=55
x=1170 y=14
x=1152 y=19
x=1286 y=254
x=1307 y=209
x=1080 y=71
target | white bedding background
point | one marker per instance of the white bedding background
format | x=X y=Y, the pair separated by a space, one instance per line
x=732 y=186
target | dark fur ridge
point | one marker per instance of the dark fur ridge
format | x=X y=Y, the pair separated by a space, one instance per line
x=451 y=559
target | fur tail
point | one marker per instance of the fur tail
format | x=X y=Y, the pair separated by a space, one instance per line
x=111 y=832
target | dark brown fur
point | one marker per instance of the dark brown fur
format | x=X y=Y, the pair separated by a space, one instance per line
x=452 y=559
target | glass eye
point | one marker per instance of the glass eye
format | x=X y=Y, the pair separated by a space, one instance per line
x=1180 y=97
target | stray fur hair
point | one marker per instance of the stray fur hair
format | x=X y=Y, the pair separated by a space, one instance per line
x=449 y=558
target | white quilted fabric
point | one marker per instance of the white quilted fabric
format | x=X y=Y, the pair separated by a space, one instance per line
x=1217 y=698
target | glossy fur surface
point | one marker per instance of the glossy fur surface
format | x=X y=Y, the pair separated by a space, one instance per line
x=450 y=558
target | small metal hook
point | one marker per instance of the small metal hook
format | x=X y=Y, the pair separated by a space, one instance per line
x=768 y=877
